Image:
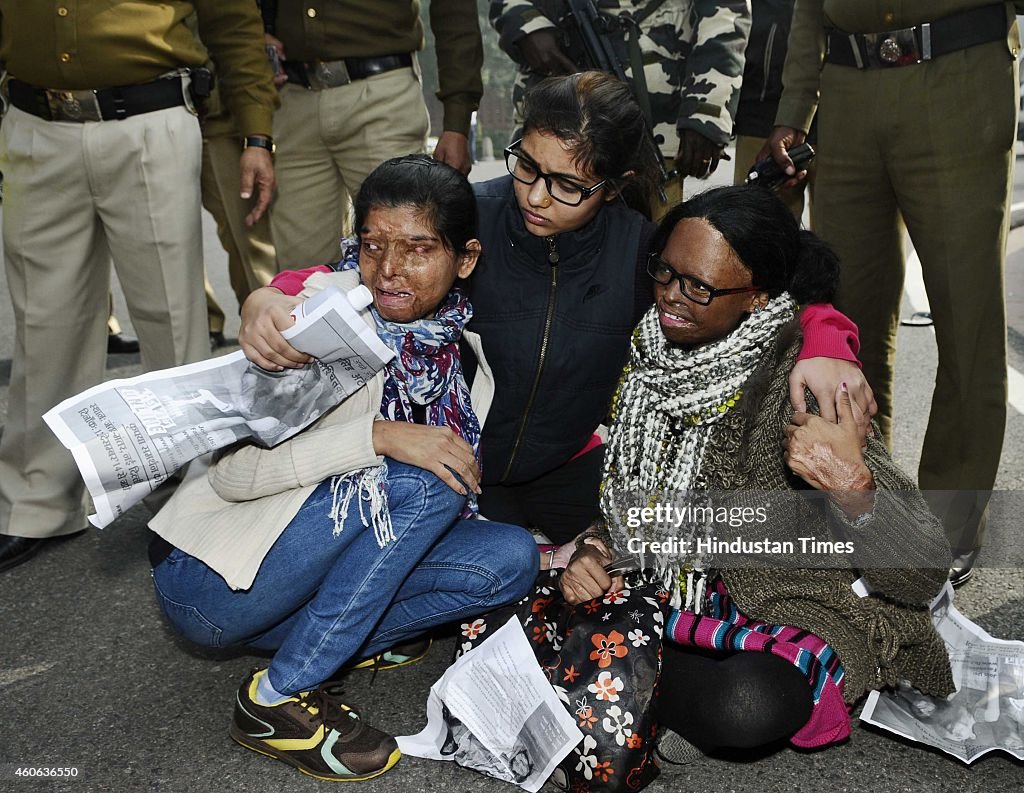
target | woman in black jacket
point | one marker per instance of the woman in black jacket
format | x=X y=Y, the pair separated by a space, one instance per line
x=560 y=286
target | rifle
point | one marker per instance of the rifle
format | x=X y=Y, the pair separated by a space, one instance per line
x=594 y=31
x=594 y=27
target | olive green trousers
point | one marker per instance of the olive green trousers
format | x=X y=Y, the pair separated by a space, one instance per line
x=928 y=148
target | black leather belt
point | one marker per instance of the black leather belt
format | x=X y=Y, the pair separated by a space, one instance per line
x=103 y=104
x=318 y=75
x=919 y=43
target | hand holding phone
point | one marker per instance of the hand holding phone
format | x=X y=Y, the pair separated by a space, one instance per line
x=769 y=174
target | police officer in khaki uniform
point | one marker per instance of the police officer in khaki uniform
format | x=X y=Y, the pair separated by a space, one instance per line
x=917 y=119
x=101 y=159
x=354 y=99
x=251 y=259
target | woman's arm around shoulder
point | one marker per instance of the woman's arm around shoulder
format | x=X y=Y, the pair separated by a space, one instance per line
x=827 y=358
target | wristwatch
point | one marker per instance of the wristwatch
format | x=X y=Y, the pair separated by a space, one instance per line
x=259 y=141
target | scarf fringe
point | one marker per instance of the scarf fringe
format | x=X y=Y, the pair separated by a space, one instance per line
x=367 y=487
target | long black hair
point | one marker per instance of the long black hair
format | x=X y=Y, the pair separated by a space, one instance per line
x=604 y=126
x=767 y=239
x=440 y=193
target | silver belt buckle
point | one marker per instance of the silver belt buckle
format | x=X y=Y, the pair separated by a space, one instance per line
x=73 y=105
x=893 y=48
x=327 y=74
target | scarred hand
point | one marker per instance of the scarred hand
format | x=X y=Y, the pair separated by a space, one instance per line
x=829 y=456
x=585 y=577
x=265 y=313
x=823 y=376
x=434 y=449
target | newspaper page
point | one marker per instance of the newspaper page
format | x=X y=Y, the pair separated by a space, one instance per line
x=494 y=711
x=128 y=436
x=987 y=710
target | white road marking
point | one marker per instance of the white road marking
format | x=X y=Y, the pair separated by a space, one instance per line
x=913 y=282
x=10 y=676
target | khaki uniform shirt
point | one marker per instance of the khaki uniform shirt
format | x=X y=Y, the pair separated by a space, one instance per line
x=328 y=30
x=807 y=40
x=89 y=44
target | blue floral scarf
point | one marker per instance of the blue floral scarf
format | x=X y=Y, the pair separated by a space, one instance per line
x=427 y=371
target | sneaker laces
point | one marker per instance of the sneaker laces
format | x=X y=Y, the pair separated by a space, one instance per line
x=378 y=662
x=324 y=705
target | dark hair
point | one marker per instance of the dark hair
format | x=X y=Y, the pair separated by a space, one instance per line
x=602 y=123
x=439 y=192
x=767 y=239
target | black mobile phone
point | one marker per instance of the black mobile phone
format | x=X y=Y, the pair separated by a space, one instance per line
x=767 y=172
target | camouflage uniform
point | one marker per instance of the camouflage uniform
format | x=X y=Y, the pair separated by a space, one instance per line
x=692 y=52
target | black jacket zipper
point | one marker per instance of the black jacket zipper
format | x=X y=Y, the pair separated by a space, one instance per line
x=553 y=260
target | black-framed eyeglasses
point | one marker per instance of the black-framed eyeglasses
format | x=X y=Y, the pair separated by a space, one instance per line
x=560 y=187
x=692 y=288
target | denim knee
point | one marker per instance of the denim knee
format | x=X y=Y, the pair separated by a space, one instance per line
x=518 y=561
x=186 y=619
x=435 y=491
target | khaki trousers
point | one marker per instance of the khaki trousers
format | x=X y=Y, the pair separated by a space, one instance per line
x=251 y=259
x=77 y=197
x=747 y=148
x=932 y=142
x=327 y=144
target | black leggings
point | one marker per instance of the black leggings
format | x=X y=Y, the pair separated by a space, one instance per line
x=743 y=700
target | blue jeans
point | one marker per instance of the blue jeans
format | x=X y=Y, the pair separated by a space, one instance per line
x=320 y=600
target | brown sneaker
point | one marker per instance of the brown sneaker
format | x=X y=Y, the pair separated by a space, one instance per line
x=313 y=731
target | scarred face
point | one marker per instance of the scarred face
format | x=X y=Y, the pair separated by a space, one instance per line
x=405 y=264
x=698 y=250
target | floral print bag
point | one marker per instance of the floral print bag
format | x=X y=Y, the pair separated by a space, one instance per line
x=603 y=659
